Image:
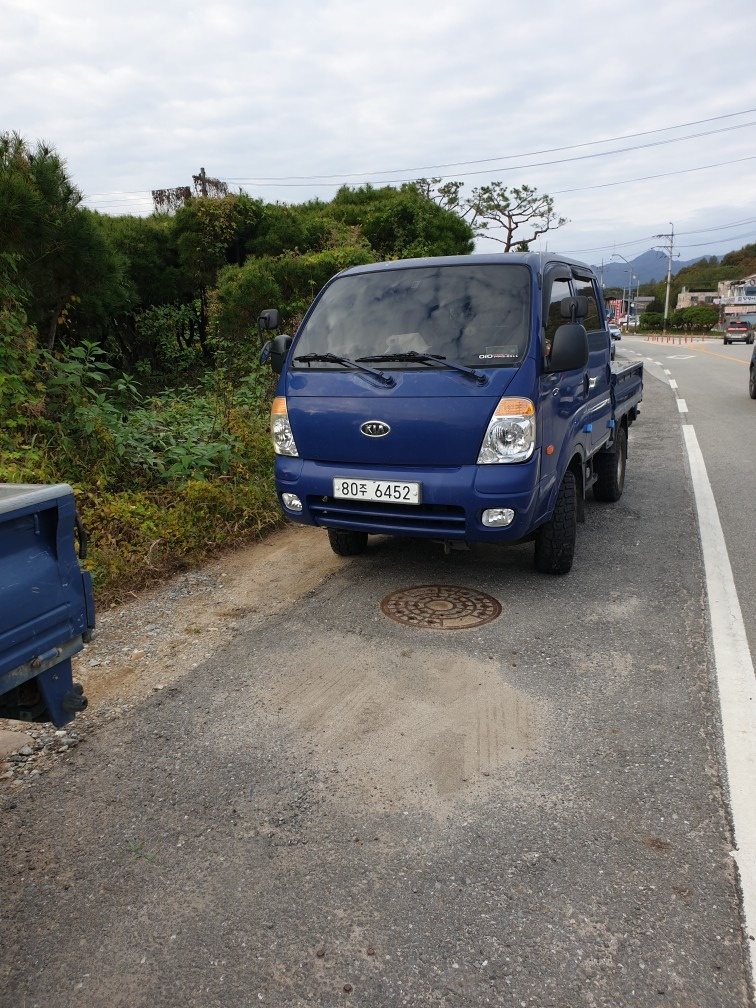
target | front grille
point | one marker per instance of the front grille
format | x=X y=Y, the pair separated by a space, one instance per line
x=423 y=519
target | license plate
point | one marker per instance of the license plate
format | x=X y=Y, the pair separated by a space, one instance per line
x=388 y=491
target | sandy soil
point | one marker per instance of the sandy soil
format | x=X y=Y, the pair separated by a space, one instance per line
x=149 y=641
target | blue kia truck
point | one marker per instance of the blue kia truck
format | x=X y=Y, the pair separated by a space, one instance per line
x=46 y=604
x=466 y=399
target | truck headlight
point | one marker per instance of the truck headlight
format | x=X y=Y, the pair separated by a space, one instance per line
x=511 y=432
x=280 y=429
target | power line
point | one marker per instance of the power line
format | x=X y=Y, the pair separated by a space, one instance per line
x=647 y=178
x=272 y=179
x=283 y=183
x=749 y=234
x=268 y=181
x=720 y=227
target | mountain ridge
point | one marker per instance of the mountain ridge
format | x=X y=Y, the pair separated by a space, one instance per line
x=649 y=267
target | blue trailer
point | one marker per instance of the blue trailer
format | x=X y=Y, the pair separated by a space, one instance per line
x=46 y=603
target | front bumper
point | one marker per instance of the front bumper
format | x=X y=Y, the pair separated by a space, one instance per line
x=453 y=499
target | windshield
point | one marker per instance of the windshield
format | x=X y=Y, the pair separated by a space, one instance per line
x=474 y=315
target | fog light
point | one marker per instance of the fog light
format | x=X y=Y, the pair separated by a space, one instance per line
x=291 y=502
x=498 y=517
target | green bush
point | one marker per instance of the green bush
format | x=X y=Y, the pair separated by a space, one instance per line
x=162 y=481
x=137 y=539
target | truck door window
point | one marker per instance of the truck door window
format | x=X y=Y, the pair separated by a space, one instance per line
x=586 y=287
x=559 y=289
x=598 y=338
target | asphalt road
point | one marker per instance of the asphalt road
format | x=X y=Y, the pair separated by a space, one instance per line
x=712 y=381
x=340 y=809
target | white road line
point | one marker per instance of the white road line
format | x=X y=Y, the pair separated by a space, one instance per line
x=672 y=382
x=737 y=686
x=682 y=406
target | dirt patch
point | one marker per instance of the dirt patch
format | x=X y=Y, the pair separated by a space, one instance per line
x=148 y=642
x=420 y=725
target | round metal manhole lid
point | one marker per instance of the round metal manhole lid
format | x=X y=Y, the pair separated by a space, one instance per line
x=440 y=607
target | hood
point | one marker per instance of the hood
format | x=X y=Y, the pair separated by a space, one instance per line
x=433 y=418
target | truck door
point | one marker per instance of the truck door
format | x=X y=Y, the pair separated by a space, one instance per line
x=563 y=395
x=599 y=410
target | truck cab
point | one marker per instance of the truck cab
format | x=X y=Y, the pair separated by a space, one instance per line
x=444 y=398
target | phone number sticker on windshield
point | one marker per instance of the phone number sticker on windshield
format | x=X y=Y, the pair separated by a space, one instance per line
x=376 y=490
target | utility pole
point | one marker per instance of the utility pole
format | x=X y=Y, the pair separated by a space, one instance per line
x=169 y=200
x=669 y=250
x=618 y=255
x=206 y=186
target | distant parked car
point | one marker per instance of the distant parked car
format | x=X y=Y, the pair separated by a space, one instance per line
x=614 y=331
x=752 y=376
x=738 y=332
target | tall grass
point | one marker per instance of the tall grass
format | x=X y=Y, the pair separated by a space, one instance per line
x=162 y=480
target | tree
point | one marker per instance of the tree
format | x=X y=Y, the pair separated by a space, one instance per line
x=61 y=255
x=651 y=320
x=445 y=194
x=699 y=317
x=493 y=207
x=207 y=238
x=521 y=207
x=19 y=353
x=402 y=223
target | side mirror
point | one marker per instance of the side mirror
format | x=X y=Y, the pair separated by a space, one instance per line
x=275 y=351
x=573 y=308
x=569 y=348
x=269 y=319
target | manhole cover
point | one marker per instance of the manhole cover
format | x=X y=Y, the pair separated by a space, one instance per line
x=440 y=607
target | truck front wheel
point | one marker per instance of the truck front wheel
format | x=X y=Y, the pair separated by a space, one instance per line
x=610 y=470
x=555 y=541
x=347 y=543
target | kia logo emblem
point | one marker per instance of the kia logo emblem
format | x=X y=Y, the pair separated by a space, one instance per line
x=375 y=428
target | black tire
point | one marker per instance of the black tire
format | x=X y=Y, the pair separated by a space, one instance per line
x=610 y=470
x=347 y=543
x=555 y=541
x=752 y=382
x=726 y=342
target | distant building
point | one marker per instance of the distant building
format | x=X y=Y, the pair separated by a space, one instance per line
x=689 y=299
x=618 y=307
x=736 y=297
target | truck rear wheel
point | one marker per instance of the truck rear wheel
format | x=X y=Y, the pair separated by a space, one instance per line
x=347 y=543
x=555 y=541
x=610 y=470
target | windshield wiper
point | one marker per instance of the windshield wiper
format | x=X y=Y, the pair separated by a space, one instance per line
x=412 y=356
x=329 y=358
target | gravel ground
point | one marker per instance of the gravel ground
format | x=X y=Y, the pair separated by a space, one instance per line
x=144 y=645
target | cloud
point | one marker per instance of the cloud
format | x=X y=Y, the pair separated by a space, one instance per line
x=296 y=98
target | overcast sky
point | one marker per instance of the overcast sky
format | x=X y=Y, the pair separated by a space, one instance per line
x=637 y=118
